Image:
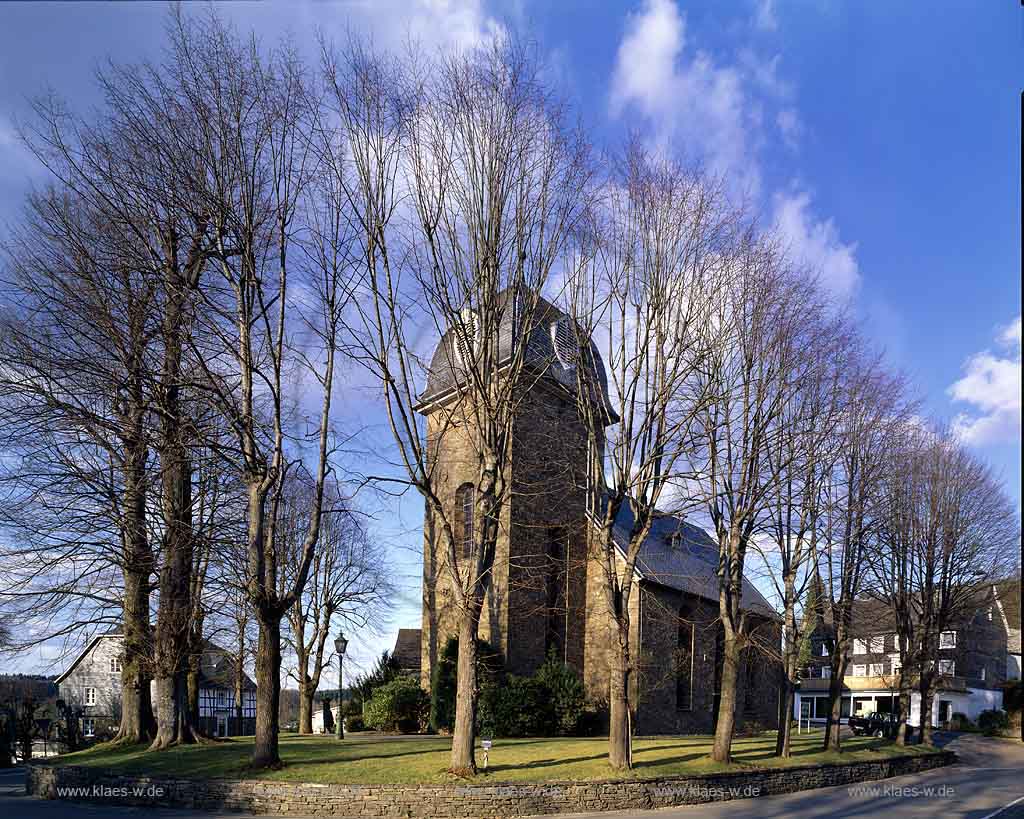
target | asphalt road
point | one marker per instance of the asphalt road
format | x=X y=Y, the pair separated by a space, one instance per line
x=983 y=785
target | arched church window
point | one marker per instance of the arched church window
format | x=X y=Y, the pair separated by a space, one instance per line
x=465 y=500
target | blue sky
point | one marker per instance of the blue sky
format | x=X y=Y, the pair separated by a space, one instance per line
x=882 y=139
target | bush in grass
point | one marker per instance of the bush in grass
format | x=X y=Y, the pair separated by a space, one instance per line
x=400 y=705
x=354 y=722
x=593 y=720
x=993 y=721
x=444 y=681
x=514 y=707
x=564 y=689
x=552 y=702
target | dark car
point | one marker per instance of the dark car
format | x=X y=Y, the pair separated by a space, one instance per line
x=875 y=724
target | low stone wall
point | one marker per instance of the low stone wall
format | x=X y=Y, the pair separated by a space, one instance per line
x=471 y=800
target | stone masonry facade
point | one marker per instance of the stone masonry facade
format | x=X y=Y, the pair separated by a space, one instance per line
x=546 y=591
x=481 y=801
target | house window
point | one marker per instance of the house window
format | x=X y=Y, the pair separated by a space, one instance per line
x=222 y=698
x=982 y=674
x=826 y=672
x=876 y=645
x=89 y=726
x=894 y=660
x=860 y=646
x=684 y=662
x=877 y=669
x=90 y=696
x=858 y=670
x=824 y=649
x=464 y=502
x=115 y=665
x=947 y=667
x=947 y=639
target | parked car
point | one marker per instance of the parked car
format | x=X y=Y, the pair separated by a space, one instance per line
x=875 y=724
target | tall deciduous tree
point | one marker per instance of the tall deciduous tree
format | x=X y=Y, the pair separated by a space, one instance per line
x=348 y=583
x=774 y=316
x=874 y=408
x=465 y=184
x=643 y=298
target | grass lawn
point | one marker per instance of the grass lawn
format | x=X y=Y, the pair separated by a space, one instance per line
x=413 y=760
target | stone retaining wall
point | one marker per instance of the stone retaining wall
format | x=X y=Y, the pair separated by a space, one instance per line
x=471 y=800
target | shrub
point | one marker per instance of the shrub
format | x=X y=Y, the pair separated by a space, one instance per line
x=400 y=705
x=565 y=691
x=384 y=671
x=515 y=707
x=960 y=722
x=354 y=722
x=593 y=720
x=550 y=703
x=443 y=680
x=993 y=721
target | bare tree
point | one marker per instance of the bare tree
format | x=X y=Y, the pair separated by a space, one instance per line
x=773 y=313
x=947 y=531
x=78 y=342
x=270 y=312
x=644 y=298
x=874 y=409
x=464 y=190
x=347 y=582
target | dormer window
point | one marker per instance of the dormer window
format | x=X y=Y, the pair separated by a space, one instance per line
x=467 y=335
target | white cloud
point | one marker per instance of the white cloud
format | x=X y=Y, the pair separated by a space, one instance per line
x=449 y=24
x=991 y=384
x=690 y=101
x=764 y=16
x=716 y=110
x=816 y=243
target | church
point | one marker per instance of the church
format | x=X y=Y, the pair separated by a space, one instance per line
x=545 y=595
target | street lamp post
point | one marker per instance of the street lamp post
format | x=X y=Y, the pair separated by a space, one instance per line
x=340 y=644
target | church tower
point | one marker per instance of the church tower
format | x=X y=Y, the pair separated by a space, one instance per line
x=536 y=599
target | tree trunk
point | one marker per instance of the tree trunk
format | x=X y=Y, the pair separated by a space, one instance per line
x=619 y=735
x=137 y=721
x=239 y=676
x=174 y=725
x=174 y=617
x=904 y=733
x=305 y=706
x=927 y=689
x=268 y=692
x=833 y=723
x=722 y=749
x=463 y=762
x=784 y=736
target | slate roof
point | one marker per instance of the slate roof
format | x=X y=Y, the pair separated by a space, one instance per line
x=407 y=649
x=547 y=352
x=217 y=669
x=688 y=563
